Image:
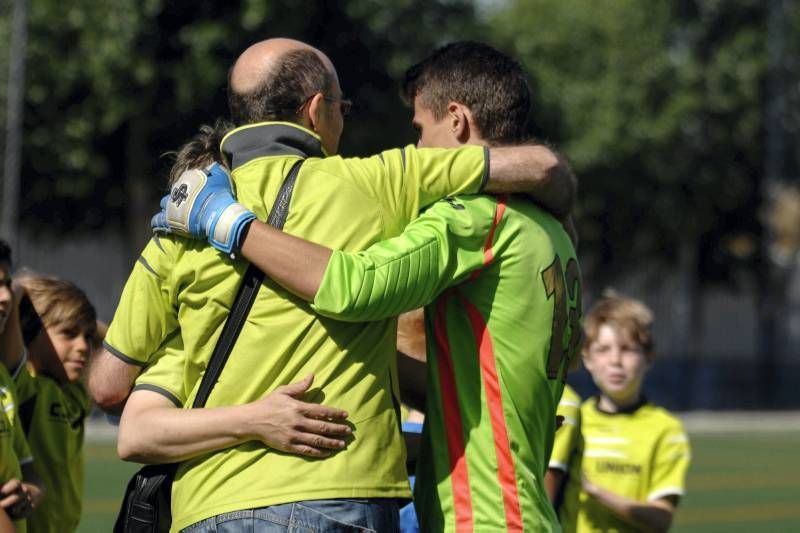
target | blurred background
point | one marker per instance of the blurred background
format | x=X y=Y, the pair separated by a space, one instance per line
x=681 y=119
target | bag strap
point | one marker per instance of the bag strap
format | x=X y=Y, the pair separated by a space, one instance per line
x=245 y=297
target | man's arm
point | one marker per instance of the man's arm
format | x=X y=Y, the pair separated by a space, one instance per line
x=154 y=430
x=110 y=380
x=652 y=516
x=536 y=170
x=383 y=281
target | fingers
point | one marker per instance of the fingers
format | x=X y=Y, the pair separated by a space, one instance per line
x=10 y=501
x=329 y=429
x=315 y=445
x=297 y=389
x=320 y=412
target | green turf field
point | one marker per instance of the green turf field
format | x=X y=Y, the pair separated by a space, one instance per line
x=738 y=482
x=742 y=482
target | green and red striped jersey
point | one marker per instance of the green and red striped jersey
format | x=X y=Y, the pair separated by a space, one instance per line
x=504 y=322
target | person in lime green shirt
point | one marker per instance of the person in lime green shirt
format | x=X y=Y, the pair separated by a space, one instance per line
x=633 y=455
x=53 y=413
x=20 y=486
x=346 y=202
x=508 y=289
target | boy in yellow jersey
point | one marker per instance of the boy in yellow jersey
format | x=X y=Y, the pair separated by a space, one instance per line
x=20 y=487
x=53 y=413
x=634 y=455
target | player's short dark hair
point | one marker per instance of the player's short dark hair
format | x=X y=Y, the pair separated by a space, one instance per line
x=491 y=84
x=296 y=76
x=201 y=150
x=5 y=252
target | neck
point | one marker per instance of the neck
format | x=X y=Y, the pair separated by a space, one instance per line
x=616 y=405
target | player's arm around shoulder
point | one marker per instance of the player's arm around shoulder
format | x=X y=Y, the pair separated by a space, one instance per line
x=437 y=250
x=402 y=181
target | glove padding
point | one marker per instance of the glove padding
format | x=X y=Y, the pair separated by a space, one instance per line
x=201 y=205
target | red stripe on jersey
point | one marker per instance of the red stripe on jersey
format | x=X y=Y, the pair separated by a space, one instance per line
x=494 y=400
x=459 y=477
x=488 y=254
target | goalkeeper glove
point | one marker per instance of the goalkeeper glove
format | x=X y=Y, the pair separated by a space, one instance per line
x=201 y=205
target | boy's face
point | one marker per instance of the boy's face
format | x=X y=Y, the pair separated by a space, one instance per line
x=6 y=297
x=616 y=363
x=73 y=346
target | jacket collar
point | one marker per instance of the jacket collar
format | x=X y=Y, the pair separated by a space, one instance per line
x=246 y=143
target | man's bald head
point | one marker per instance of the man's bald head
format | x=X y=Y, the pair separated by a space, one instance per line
x=272 y=79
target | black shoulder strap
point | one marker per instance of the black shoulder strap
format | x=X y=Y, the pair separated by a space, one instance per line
x=246 y=295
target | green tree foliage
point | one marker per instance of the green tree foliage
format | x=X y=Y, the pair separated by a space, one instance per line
x=659 y=105
x=113 y=84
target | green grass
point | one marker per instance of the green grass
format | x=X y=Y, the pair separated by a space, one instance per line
x=104 y=484
x=738 y=482
x=742 y=482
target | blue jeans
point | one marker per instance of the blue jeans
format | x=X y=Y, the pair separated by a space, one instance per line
x=335 y=516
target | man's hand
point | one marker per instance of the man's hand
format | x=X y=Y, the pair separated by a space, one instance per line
x=201 y=205
x=16 y=499
x=284 y=423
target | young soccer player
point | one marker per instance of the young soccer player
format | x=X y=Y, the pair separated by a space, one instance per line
x=53 y=413
x=20 y=486
x=634 y=455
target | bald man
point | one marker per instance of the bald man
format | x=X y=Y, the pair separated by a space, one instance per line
x=285 y=98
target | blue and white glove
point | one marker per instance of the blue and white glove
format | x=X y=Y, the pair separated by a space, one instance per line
x=201 y=205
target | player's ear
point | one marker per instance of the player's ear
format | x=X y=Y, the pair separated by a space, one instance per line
x=314 y=112
x=459 y=117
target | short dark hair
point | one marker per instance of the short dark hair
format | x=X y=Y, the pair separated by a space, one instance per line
x=296 y=76
x=491 y=84
x=5 y=252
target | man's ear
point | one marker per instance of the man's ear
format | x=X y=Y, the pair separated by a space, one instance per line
x=314 y=112
x=460 y=119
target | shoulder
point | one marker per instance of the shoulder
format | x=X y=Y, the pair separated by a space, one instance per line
x=662 y=422
x=570 y=396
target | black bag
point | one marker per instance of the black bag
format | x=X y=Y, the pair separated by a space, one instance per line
x=146 y=505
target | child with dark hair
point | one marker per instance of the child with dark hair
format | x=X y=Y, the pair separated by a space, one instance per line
x=53 y=411
x=20 y=486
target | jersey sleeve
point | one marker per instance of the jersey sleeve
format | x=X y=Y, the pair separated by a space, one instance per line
x=670 y=464
x=437 y=250
x=145 y=315
x=566 y=437
x=165 y=375
x=406 y=180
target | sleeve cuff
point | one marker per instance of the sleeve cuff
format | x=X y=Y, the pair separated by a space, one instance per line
x=486 y=169
x=119 y=355
x=555 y=465
x=668 y=491
x=158 y=390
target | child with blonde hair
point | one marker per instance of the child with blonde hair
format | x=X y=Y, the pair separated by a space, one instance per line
x=633 y=456
x=53 y=411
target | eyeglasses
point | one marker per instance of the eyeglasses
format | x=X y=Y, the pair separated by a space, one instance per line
x=345 y=104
